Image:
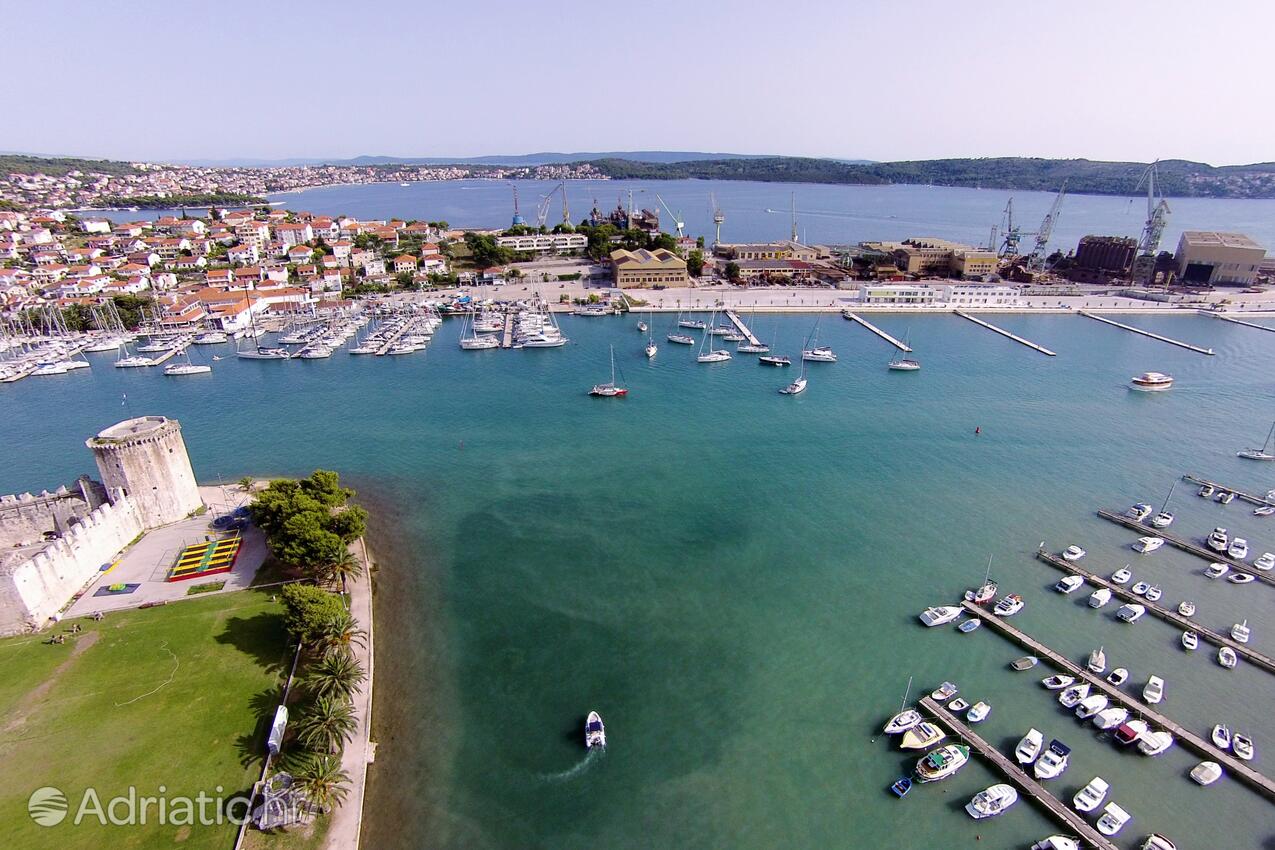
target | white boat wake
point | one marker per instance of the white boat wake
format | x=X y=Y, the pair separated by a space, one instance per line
x=571 y=773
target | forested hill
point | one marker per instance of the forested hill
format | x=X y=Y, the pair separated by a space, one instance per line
x=1177 y=178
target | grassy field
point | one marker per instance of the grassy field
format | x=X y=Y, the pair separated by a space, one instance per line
x=177 y=696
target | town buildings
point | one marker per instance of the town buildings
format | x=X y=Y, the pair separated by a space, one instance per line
x=644 y=268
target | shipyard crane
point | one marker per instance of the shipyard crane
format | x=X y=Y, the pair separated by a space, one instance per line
x=1157 y=217
x=718 y=217
x=1009 y=247
x=677 y=219
x=1036 y=259
x=542 y=209
x=518 y=220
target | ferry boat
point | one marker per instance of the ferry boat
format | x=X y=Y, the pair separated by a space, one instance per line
x=942 y=763
x=1151 y=382
x=595 y=734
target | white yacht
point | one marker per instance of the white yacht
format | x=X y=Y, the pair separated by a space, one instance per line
x=1186 y=608
x=1091 y=705
x=1118 y=676
x=1029 y=747
x=797 y=386
x=1265 y=562
x=1073 y=553
x=479 y=342
x=1206 y=773
x=940 y=615
x=1139 y=511
x=681 y=339
x=595 y=734
x=1122 y=575
x=1113 y=819
x=1056 y=842
x=693 y=324
x=210 y=338
x=1099 y=597
x=1097 y=660
x=1227 y=657
x=1190 y=640
x=1071 y=697
x=1264 y=453
x=1240 y=578
x=1216 y=570
x=1155 y=743
x=978 y=712
x=1240 y=632
x=1140 y=589
x=1110 y=718
x=1053 y=761
x=1069 y=584
x=817 y=353
x=187 y=369
x=1153 y=691
x=1131 y=612
x=1218 y=540
x=1057 y=682
x=921 y=736
x=991 y=802
x=1164 y=519
x=1091 y=796
x=903 y=721
x=1154 y=593
x=1151 y=382
x=708 y=354
x=1147 y=545
x=1238 y=549
x=1008 y=606
x=1242 y=747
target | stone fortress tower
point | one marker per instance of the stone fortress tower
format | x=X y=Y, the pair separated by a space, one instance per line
x=145 y=458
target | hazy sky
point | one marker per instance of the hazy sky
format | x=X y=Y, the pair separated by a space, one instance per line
x=877 y=79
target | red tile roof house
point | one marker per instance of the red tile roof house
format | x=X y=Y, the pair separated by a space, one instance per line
x=245 y=254
x=404 y=263
x=132 y=285
x=293 y=233
x=185 y=263
x=220 y=278
x=300 y=254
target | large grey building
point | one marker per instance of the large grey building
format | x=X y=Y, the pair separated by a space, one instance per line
x=1206 y=258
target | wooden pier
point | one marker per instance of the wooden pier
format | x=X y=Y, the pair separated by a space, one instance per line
x=172 y=352
x=742 y=328
x=1005 y=333
x=393 y=338
x=1187 y=546
x=859 y=320
x=1238 y=769
x=1244 y=323
x=1239 y=494
x=1188 y=346
x=507 y=335
x=1027 y=786
x=1170 y=616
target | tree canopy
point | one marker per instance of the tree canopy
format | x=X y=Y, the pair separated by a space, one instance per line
x=308 y=523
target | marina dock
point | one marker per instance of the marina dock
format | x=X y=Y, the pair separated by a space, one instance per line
x=1186 y=545
x=859 y=320
x=391 y=339
x=1244 y=323
x=1005 y=333
x=1236 y=768
x=1239 y=494
x=1188 y=346
x=742 y=328
x=507 y=335
x=1170 y=616
x=1027 y=786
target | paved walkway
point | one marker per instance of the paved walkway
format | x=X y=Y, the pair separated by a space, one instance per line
x=347 y=819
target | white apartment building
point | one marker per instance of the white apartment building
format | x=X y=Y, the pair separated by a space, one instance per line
x=980 y=295
x=545 y=243
x=896 y=293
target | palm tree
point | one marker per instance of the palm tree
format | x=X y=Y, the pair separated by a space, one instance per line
x=336 y=675
x=347 y=566
x=321 y=779
x=340 y=634
x=246 y=483
x=327 y=724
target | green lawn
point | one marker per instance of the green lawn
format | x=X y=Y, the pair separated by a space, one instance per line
x=200 y=679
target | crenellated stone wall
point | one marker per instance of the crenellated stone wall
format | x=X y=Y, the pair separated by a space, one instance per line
x=25 y=518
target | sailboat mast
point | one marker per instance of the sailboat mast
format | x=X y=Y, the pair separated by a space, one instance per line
x=1165 y=506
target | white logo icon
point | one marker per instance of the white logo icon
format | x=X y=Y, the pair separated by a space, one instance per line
x=47 y=806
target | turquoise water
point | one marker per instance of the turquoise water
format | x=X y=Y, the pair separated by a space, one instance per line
x=732 y=577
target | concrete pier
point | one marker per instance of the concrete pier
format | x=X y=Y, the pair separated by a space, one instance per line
x=1244 y=323
x=1028 y=787
x=1186 y=545
x=1185 y=737
x=846 y=314
x=1005 y=333
x=742 y=328
x=507 y=335
x=1239 y=494
x=1179 y=343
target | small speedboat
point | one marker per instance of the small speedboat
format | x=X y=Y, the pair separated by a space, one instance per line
x=969 y=625
x=1266 y=561
x=1091 y=796
x=1121 y=576
x=1154 y=593
x=1029 y=747
x=901 y=786
x=1131 y=613
x=1227 y=657
x=1071 y=697
x=1206 y=772
x=1099 y=597
x=1057 y=683
x=1238 y=549
x=978 y=712
x=992 y=801
x=1206 y=492
x=1069 y=584
x=942 y=763
x=1091 y=705
x=1128 y=733
x=1118 y=676
x=1218 y=540
x=1147 y=545
x=1222 y=736
x=1242 y=746
x=958 y=705
x=1190 y=641
x=1139 y=511
x=1141 y=588
x=1164 y=519
x=940 y=615
x=1216 y=570
x=945 y=691
x=1056 y=842
x=594 y=732
x=902 y=721
x=1073 y=553
x=1240 y=578
x=1155 y=743
x=1240 y=632
x=1053 y=761
x=1186 y=608
x=921 y=736
x=1097 y=660
x=1264 y=510
x=1226 y=498
x=1008 y=606
x=641 y=326
x=1113 y=819
x=1110 y=718
x=1153 y=691
x=1027 y=662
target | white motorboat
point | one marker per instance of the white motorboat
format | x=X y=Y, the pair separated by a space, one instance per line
x=1073 y=553
x=903 y=721
x=1091 y=796
x=942 y=763
x=1113 y=819
x=1240 y=632
x=1218 y=540
x=1154 y=593
x=1091 y=705
x=1121 y=576
x=1008 y=606
x=819 y=354
x=1227 y=657
x=1216 y=570
x=1264 y=510
x=1206 y=772
x=1266 y=561
x=1206 y=491
x=1164 y=519
x=958 y=705
x=1097 y=660
x=1153 y=691
x=1131 y=612
x=1155 y=743
x=1029 y=747
x=1186 y=608
x=1141 y=588
x=1240 y=578
x=46 y=369
x=1027 y=662
x=1069 y=584
x=1238 y=549
x=1053 y=761
x=1128 y=733
x=1057 y=683
x=1242 y=746
x=940 y=615
x=1071 y=697
x=1190 y=641
x=594 y=731
x=969 y=626
x=921 y=736
x=1264 y=453
x=992 y=801
x=1110 y=718
x=641 y=326
x=1151 y=382
x=1222 y=736
x=1139 y=511
x=1118 y=676
x=1056 y=842
x=1099 y=597
x=978 y=712
x=945 y=691
x=1147 y=545
x=1156 y=841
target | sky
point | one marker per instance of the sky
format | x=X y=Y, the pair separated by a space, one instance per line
x=870 y=79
